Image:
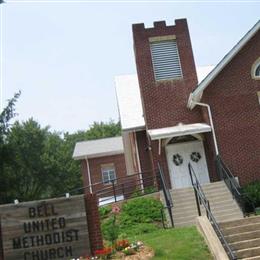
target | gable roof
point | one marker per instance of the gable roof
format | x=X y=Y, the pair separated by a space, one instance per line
x=98 y=148
x=129 y=99
x=198 y=91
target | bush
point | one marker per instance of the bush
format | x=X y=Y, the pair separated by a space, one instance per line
x=104 y=211
x=147 y=190
x=252 y=190
x=140 y=210
x=110 y=229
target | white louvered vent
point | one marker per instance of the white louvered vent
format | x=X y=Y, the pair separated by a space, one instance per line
x=166 y=60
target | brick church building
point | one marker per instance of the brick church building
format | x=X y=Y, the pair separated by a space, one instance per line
x=170 y=116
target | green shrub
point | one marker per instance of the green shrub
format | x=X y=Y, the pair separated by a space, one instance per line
x=252 y=190
x=140 y=210
x=110 y=229
x=147 y=190
x=104 y=211
x=136 y=193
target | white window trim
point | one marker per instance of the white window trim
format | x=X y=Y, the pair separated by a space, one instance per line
x=107 y=168
x=253 y=69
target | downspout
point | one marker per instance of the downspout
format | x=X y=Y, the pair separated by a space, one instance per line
x=139 y=164
x=211 y=123
x=89 y=178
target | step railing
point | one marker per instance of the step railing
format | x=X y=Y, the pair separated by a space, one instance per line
x=166 y=193
x=245 y=203
x=201 y=199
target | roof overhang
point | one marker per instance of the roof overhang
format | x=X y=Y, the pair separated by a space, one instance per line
x=198 y=91
x=179 y=130
x=97 y=155
x=98 y=148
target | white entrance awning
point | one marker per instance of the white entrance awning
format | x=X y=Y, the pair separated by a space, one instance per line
x=179 y=130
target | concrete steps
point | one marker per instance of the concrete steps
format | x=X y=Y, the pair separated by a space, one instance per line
x=243 y=237
x=222 y=204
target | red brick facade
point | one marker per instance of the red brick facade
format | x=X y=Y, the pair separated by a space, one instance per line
x=236 y=113
x=93 y=220
x=232 y=96
x=95 y=166
x=165 y=102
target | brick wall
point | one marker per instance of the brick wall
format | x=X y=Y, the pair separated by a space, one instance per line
x=93 y=220
x=236 y=113
x=149 y=158
x=165 y=102
x=144 y=156
x=123 y=186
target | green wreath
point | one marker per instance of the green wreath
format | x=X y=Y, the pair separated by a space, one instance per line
x=177 y=159
x=195 y=156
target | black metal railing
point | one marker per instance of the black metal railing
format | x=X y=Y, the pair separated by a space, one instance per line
x=245 y=203
x=201 y=199
x=166 y=193
x=126 y=187
x=121 y=188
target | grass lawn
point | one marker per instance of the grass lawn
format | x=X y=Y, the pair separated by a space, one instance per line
x=177 y=244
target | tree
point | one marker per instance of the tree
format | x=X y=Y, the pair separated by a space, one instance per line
x=96 y=131
x=27 y=174
x=41 y=162
x=103 y=130
x=5 y=117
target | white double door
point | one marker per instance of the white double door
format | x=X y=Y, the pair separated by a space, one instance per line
x=178 y=157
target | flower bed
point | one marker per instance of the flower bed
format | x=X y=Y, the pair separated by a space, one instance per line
x=122 y=250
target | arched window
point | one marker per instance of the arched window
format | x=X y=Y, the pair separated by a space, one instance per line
x=256 y=69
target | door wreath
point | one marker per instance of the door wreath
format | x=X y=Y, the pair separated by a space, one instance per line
x=195 y=156
x=177 y=159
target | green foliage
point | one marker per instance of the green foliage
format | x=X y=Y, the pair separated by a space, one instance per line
x=253 y=192
x=41 y=164
x=137 y=216
x=104 y=211
x=96 y=131
x=102 y=130
x=138 y=192
x=37 y=163
x=140 y=210
x=110 y=229
x=6 y=116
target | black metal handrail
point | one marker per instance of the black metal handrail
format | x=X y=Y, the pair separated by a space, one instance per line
x=245 y=203
x=202 y=199
x=122 y=179
x=166 y=193
x=127 y=189
x=197 y=188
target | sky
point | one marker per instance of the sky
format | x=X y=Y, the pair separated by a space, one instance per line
x=64 y=56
